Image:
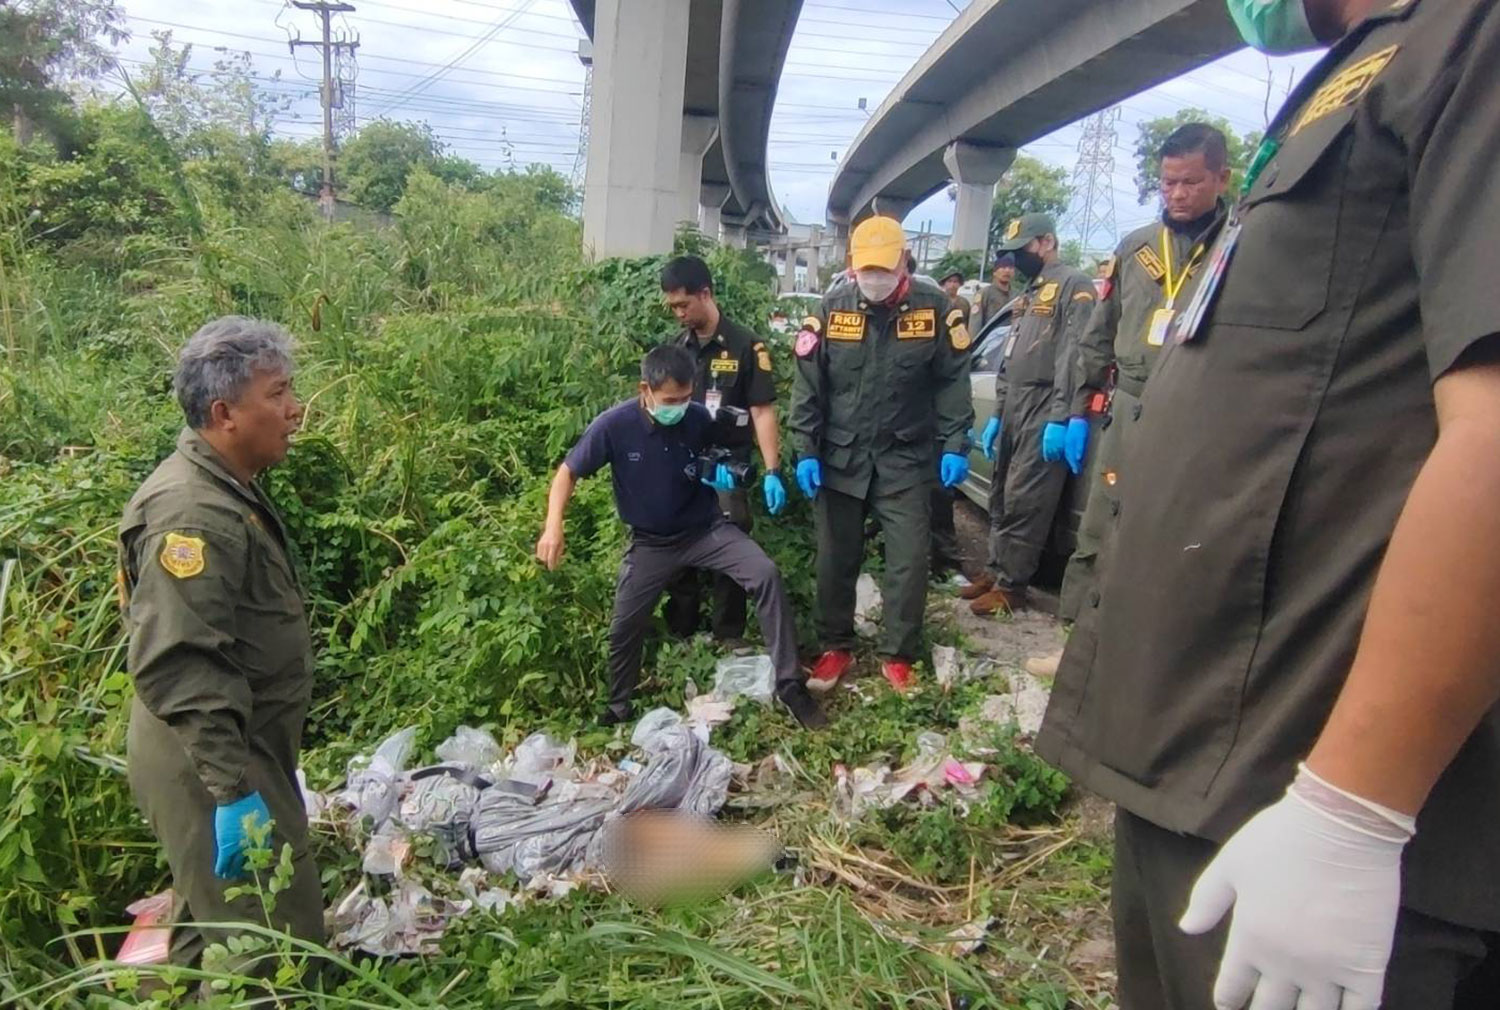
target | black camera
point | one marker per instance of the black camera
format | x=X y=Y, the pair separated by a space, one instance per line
x=707 y=462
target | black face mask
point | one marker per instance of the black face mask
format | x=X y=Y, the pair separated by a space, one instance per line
x=1029 y=263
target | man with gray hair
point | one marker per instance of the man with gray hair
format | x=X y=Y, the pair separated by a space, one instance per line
x=219 y=647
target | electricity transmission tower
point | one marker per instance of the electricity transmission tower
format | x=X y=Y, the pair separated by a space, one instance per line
x=1092 y=217
x=332 y=91
x=581 y=157
x=345 y=70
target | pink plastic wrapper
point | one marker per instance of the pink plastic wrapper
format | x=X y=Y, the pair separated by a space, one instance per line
x=150 y=938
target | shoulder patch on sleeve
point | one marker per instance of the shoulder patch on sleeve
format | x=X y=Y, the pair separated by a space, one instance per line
x=183 y=556
x=807 y=343
x=762 y=358
x=812 y=323
x=1083 y=296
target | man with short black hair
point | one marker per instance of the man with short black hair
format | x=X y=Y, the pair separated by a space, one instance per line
x=1151 y=276
x=998 y=294
x=652 y=444
x=733 y=369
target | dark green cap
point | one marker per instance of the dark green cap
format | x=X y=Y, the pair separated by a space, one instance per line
x=1025 y=228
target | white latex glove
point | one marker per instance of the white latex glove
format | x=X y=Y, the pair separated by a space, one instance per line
x=1315 y=883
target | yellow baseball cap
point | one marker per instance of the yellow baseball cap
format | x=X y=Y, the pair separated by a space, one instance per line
x=877 y=242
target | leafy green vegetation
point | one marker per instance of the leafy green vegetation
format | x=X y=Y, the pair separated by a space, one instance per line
x=448 y=358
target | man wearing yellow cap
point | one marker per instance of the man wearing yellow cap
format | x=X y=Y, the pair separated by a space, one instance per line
x=882 y=383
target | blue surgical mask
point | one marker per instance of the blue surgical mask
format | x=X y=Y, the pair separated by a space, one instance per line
x=1275 y=27
x=666 y=413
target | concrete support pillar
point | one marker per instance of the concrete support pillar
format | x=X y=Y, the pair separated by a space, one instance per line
x=894 y=206
x=698 y=135
x=635 y=126
x=711 y=197
x=789 y=270
x=733 y=232
x=810 y=257
x=975 y=170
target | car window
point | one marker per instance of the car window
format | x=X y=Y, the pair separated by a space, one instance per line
x=987 y=354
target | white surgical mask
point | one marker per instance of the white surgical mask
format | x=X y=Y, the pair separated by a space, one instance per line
x=876 y=285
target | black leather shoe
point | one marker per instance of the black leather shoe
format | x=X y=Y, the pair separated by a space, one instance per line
x=802 y=706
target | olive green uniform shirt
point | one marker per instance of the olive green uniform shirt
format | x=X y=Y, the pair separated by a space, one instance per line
x=1278 y=449
x=1135 y=289
x=1042 y=348
x=219 y=644
x=879 y=389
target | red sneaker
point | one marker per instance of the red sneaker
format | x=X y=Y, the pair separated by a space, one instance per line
x=826 y=672
x=898 y=673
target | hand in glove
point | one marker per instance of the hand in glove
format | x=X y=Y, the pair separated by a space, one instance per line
x=810 y=476
x=1315 y=883
x=954 y=469
x=232 y=835
x=989 y=438
x=1054 y=436
x=775 y=492
x=1076 y=443
x=722 y=479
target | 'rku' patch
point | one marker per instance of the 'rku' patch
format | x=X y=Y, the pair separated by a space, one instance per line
x=1151 y=263
x=846 y=326
x=1344 y=88
x=918 y=325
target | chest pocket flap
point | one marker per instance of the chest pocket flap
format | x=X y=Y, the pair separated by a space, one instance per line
x=1280 y=275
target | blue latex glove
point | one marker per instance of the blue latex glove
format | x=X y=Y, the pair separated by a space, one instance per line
x=1076 y=443
x=1053 y=438
x=954 y=469
x=230 y=837
x=810 y=476
x=775 y=494
x=722 y=479
x=989 y=438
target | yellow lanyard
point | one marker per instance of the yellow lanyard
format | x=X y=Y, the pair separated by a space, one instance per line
x=1174 y=289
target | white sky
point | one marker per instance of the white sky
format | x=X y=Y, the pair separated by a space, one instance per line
x=515 y=97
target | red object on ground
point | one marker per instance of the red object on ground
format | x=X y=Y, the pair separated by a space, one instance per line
x=898 y=672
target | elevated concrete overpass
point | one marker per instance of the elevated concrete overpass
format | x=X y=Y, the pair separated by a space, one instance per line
x=681 y=114
x=1005 y=73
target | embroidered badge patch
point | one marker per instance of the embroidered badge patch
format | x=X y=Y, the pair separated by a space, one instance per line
x=918 y=325
x=1344 y=88
x=846 y=326
x=183 y=556
x=1150 y=262
x=958 y=331
x=807 y=342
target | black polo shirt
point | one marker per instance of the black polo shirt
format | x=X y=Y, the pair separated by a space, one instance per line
x=736 y=365
x=647 y=462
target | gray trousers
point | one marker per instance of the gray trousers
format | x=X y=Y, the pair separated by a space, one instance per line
x=1434 y=965
x=649 y=567
x=684 y=608
x=1024 y=491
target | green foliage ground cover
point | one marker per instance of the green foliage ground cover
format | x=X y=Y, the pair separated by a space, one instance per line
x=447 y=360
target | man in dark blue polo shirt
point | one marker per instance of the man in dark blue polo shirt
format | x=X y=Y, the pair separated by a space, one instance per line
x=650 y=444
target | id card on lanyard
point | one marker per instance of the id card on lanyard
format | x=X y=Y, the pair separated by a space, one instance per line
x=1161 y=319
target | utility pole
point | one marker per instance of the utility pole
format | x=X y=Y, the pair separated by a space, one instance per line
x=331 y=96
x=1093 y=181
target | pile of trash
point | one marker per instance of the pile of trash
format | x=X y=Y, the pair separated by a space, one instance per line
x=536 y=813
x=935 y=769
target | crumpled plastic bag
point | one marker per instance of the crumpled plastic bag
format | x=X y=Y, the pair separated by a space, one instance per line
x=651 y=724
x=542 y=756
x=683 y=773
x=515 y=834
x=469 y=746
x=752 y=677
x=442 y=806
x=866 y=604
x=410 y=920
x=375 y=782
